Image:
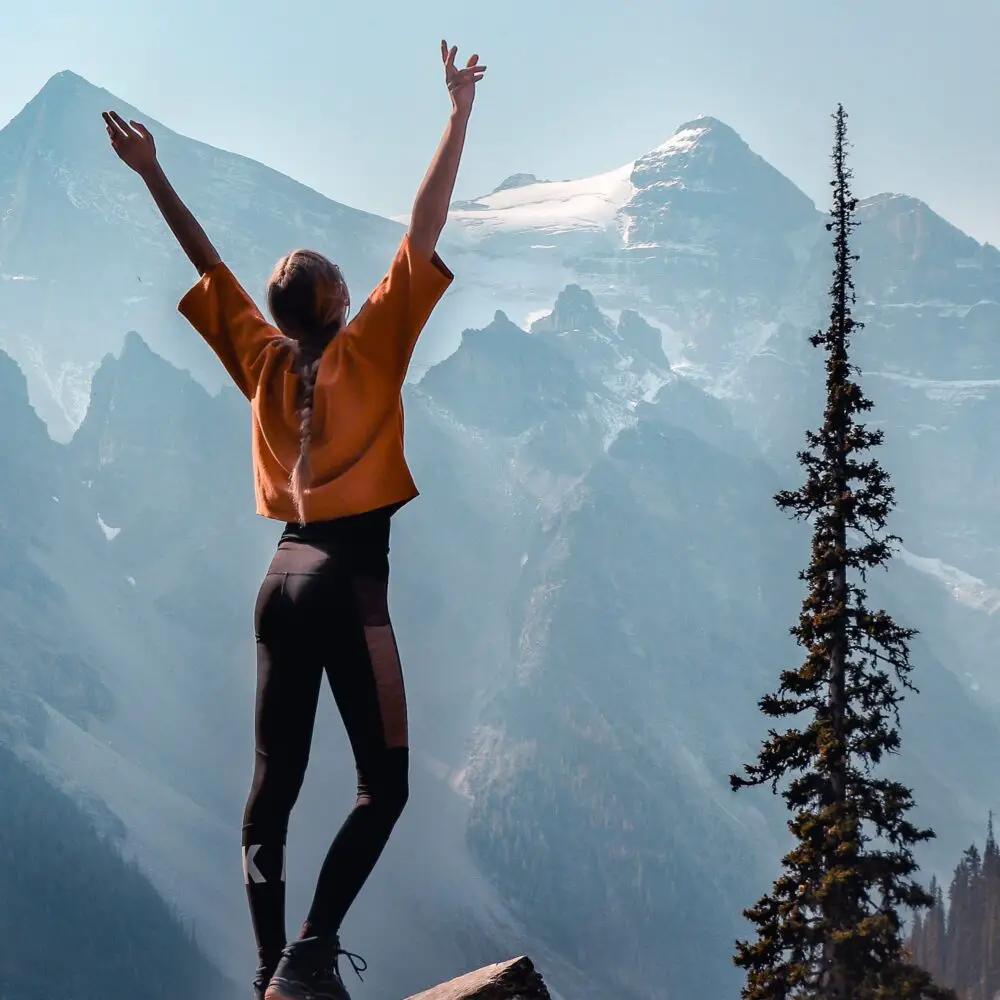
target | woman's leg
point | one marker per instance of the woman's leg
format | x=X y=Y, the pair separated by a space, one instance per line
x=364 y=671
x=289 y=675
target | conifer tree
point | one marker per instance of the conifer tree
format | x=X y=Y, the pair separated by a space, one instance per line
x=931 y=949
x=990 y=932
x=959 y=946
x=831 y=927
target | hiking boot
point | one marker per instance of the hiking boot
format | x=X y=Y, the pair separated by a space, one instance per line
x=308 y=971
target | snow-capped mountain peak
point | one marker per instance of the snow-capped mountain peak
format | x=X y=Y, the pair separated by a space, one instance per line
x=696 y=151
x=687 y=136
x=703 y=154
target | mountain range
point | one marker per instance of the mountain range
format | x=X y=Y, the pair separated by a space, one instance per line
x=592 y=592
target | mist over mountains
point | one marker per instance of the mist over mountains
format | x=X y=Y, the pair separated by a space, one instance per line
x=592 y=592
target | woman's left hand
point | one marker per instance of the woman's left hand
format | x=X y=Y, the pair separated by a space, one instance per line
x=461 y=82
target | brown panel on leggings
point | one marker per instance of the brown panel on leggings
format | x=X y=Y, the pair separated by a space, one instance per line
x=389 y=683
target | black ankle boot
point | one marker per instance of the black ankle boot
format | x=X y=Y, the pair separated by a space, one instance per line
x=308 y=970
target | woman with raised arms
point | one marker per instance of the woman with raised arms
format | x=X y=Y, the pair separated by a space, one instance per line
x=327 y=449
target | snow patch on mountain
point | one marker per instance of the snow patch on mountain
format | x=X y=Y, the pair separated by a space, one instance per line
x=109 y=532
x=944 y=390
x=683 y=140
x=549 y=206
x=939 y=306
x=615 y=417
x=67 y=382
x=965 y=588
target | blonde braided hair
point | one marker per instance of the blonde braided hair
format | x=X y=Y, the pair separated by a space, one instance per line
x=308 y=299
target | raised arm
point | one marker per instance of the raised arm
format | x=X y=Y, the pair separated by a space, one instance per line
x=135 y=147
x=430 y=208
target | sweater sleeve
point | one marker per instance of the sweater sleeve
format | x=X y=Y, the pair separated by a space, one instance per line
x=232 y=325
x=388 y=325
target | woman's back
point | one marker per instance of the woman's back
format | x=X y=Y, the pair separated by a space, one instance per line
x=356 y=456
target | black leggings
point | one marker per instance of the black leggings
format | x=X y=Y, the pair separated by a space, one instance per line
x=323 y=608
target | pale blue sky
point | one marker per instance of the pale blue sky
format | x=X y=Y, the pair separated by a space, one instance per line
x=348 y=97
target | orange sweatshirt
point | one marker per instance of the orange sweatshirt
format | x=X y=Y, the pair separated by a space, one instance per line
x=357 y=456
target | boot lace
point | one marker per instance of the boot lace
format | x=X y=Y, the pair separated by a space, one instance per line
x=358 y=964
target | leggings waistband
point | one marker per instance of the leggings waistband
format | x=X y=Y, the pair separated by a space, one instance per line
x=368 y=529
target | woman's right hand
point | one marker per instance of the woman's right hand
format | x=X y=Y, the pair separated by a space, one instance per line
x=132 y=142
x=135 y=148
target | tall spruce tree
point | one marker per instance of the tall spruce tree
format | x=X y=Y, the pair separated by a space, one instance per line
x=831 y=927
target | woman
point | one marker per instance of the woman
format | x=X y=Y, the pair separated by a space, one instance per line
x=328 y=460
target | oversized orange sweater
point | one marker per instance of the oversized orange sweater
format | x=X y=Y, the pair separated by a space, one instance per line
x=357 y=458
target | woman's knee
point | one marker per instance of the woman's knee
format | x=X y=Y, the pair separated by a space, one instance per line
x=385 y=785
x=399 y=794
x=274 y=791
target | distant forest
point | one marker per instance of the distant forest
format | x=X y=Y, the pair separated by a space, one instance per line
x=77 y=921
x=958 y=940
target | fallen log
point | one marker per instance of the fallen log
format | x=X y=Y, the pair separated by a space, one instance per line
x=513 y=980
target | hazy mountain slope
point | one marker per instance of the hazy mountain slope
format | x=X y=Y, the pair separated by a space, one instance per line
x=37 y=659
x=600 y=770
x=78 y=920
x=58 y=680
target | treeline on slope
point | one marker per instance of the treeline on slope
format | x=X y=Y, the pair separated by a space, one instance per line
x=77 y=921
x=958 y=941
